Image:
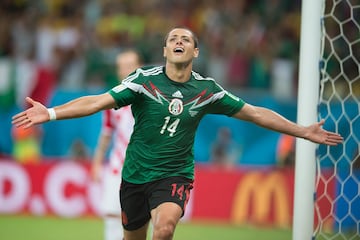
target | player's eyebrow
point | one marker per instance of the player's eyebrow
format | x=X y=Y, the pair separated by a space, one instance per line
x=181 y=36
x=176 y=35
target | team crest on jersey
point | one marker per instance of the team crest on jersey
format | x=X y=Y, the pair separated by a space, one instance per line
x=176 y=106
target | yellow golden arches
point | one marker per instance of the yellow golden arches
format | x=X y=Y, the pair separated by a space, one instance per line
x=264 y=194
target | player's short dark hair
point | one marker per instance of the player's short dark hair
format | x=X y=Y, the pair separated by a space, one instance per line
x=195 y=38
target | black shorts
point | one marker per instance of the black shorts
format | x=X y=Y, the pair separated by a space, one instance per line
x=137 y=200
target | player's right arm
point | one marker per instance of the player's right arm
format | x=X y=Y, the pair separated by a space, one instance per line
x=76 y=108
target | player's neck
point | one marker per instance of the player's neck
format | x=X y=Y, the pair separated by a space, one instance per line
x=178 y=72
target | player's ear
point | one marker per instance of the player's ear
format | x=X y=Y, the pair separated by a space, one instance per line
x=196 y=52
x=164 y=51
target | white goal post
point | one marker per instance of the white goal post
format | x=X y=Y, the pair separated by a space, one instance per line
x=327 y=179
x=308 y=95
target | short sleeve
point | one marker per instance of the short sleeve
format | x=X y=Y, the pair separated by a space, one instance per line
x=228 y=104
x=123 y=95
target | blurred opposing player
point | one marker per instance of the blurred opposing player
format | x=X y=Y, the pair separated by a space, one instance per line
x=117 y=126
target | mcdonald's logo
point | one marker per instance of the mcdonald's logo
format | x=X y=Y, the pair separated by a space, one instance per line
x=260 y=197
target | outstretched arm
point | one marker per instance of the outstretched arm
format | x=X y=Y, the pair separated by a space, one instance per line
x=76 y=108
x=271 y=120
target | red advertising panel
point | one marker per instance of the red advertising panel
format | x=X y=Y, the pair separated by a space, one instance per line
x=59 y=188
x=241 y=196
x=238 y=195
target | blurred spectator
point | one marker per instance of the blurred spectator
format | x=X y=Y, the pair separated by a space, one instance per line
x=22 y=33
x=46 y=41
x=44 y=84
x=69 y=49
x=282 y=73
x=238 y=69
x=24 y=78
x=26 y=148
x=260 y=67
x=7 y=84
x=225 y=152
x=216 y=61
x=79 y=151
x=285 y=152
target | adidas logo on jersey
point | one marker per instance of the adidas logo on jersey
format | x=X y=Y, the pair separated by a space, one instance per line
x=177 y=94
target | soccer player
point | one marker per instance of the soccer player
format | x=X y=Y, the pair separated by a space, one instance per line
x=168 y=103
x=117 y=126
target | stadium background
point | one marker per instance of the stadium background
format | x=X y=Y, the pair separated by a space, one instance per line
x=55 y=50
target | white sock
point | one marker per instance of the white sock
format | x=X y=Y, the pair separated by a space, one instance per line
x=113 y=229
x=150 y=229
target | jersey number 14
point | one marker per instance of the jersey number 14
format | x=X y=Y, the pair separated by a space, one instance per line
x=170 y=126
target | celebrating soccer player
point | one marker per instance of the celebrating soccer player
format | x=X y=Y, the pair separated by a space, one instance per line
x=167 y=103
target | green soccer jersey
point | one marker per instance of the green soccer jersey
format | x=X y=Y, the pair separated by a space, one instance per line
x=167 y=114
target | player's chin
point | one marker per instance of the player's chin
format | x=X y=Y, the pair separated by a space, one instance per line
x=177 y=59
x=182 y=61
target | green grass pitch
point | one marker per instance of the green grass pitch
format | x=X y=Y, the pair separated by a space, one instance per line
x=54 y=228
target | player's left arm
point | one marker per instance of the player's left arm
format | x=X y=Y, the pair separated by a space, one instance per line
x=269 y=119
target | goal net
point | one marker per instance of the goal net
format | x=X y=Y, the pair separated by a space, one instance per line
x=337 y=198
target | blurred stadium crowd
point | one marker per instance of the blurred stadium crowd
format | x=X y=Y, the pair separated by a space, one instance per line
x=49 y=44
x=52 y=46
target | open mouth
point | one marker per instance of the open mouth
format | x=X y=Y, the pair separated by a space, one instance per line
x=178 y=50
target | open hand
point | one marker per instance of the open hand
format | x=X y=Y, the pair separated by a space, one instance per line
x=34 y=115
x=318 y=135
